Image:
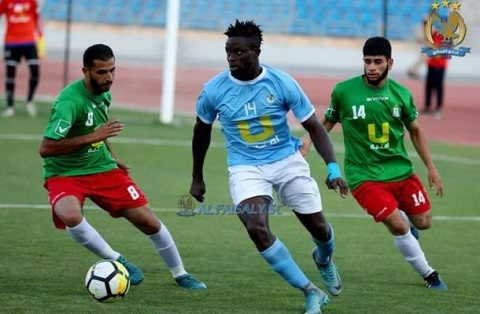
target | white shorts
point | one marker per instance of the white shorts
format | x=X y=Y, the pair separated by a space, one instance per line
x=289 y=177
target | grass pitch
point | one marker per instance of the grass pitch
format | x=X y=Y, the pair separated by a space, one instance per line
x=43 y=270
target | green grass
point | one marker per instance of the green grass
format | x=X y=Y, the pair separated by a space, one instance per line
x=43 y=269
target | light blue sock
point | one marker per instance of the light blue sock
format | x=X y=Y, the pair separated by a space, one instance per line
x=325 y=249
x=281 y=261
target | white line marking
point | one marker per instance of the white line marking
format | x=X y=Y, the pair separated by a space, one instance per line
x=285 y=212
x=159 y=142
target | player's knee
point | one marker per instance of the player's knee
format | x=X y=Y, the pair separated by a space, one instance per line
x=422 y=222
x=70 y=218
x=260 y=234
x=322 y=232
x=150 y=225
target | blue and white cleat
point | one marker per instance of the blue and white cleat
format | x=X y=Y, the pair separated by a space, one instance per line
x=433 y=281
x=136 y=275
x=188 y=281
x=330 y=276
x=314 y=300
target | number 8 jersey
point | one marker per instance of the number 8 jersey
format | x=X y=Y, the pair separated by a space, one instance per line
x=373 y=123
x=253 y=114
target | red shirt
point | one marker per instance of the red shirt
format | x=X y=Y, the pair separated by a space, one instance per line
x=22 y=21
x=439 y=61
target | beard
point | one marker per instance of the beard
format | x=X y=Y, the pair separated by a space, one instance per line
x=99 y=89
x=378 y=80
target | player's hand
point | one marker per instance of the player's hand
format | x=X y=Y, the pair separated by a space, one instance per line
x=122 y=166
x=435 y=181
x=198 y=189
x=338 y=184
x=306 y=142
x=110 y=129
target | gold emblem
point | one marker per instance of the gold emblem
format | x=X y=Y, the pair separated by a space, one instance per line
x=186 y=206
x=445 y=22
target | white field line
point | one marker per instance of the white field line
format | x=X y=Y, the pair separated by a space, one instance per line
x=159 y=142
x=285 y=212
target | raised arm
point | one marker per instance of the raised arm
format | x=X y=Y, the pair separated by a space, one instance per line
x=202 y=133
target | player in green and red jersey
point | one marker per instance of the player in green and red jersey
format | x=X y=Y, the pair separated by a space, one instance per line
x=374 y=111
x=79 y=163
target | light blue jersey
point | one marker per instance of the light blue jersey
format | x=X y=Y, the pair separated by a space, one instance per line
x=253 y=114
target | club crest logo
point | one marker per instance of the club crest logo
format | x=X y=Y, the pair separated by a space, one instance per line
x=444 y=30
x=186 y=206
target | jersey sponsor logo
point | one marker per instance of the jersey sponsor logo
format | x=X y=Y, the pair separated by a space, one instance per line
x=445 y=22
x=62 y=127
x=377 y=98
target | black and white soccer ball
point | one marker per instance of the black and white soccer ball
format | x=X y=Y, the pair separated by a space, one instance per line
x=107 y=281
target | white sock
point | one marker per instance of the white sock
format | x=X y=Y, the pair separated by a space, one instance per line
x=165 y=246
x=87 y=236
x=407 y=219
x=411 y=250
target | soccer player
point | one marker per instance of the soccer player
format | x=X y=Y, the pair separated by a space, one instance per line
x=251 y=101
x=23 y=31
x=374 y=111
x=79 y=162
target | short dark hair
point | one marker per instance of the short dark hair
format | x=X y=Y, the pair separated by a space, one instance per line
x=97 y=52
x=377 y=46
x=246 y=29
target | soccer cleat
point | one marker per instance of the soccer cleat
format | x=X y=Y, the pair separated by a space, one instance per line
x=136 y=275
x=188 y=281
x=414 y=231
x=433 y=281
x=31 y=109
x=8 y=112
x=314 y=300
x=330 y=276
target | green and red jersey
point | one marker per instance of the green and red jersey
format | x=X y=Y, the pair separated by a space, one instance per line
x=77 y=112
x=373 y=122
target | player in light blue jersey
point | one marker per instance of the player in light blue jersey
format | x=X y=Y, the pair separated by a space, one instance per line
x=251 y=101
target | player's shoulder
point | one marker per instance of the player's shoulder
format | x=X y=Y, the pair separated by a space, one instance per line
x=273 y=71
x=396 y=85
x=218 y=79
x=349 y=83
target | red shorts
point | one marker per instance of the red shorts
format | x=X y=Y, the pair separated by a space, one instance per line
x=112 y=191
x=380 y=199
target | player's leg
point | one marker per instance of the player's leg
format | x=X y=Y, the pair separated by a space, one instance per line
x=34 y=66
x=250 y=189
x=299 y=191
x=12 y=58
x=429 y=87
x=122 y=198
x=146 y=221
x=380 y=202
x=413 y=199
x=66 y=198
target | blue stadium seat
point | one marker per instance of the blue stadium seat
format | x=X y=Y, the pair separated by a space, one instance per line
x=340 y=18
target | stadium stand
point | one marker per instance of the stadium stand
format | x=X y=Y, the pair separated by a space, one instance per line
x=337 y=18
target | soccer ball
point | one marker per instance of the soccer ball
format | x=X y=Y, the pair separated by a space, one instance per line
x=107 y=281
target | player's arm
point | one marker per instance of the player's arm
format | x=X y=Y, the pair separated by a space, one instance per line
x=202 y=134
x=323 y=145
x=51 y=147
x=307 y=141
x=421 y=146
x=120 y=164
